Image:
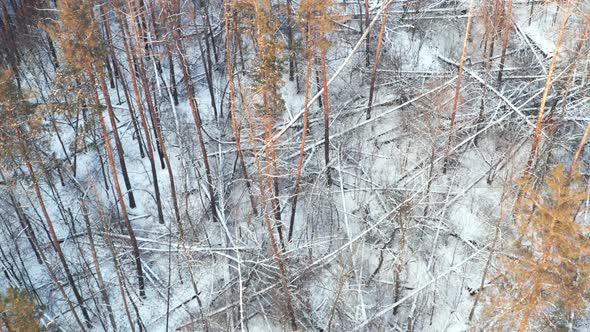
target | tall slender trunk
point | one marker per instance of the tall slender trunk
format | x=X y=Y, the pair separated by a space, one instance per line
x=198 y=125
x=579 y=149
x=326 y=108
x=238 y=37
x=488 y=54
x=377 y=56
x=52 y=51
x=207 y=66
x=103 y=290
x=111 y=159
x=273 y=242
x=318 y=83
x=24 y=221
x=573 y=63
x=458 y=86
x=310 y=56
x=144 y=125
x=118 y=145
x=142 y=32
x=173 y=78
x=548 y=81
x=207 y=21
x=111 y=247
x=368 y=39
x=490 y=256
x=268 y=224
x=272 y=180
x=158 y=130
x=399 y=265
x=124 y=83
x=107 y=65
x=56 y=244
x=290 y=41
x=506 y=37
x=232 y=106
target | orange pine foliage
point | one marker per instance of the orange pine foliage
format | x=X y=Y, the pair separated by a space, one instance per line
x=546 y=277
x=18 y=312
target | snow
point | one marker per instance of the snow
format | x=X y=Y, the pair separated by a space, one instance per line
x=347 y=242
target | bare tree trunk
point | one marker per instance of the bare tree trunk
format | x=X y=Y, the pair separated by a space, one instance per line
x=318 y=83
x=52 y=52
x=488 y=53
x=123 y=82
x=118 y=145
x=198 y=125
x=103 y=290
x=144 y=124
x=539 y=124
x=111 y=159
x=160 y=138
x=507 y=25
x=326 y=109
x=111 y=247
x=310 y=55
x=207 y=22
x=290 y=41
x=377 y=56
x=234 y=121
x=56 y=244
x=368 y=39
x=207 y=65
x=271 y=161
x=24 y=221
x=458 y=86
x=399 y=265
x=275 y=248
x=490 y=256
x=173 y=79
x=579 y=149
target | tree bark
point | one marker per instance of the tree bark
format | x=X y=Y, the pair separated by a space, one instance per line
x=377 y=56
x=56 y=244
x=308 y=69
x=111 y=159
x=103 y=290
x=326 y=109
x=458 y=86
x=198 y=125
x=144 y=125
x=506 y=37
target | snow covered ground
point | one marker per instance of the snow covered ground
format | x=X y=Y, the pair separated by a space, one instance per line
x=394 y=243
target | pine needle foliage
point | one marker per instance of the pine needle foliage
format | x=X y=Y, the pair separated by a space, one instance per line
x=24 y=113
x=268 y=75
x=546 y=278
x=321 y=14
x=78 y=33
x=18 y=312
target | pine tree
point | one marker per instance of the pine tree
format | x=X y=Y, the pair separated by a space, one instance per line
x=320 y=13
x=268 y=79
x=548 y=277
x=18 y=312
